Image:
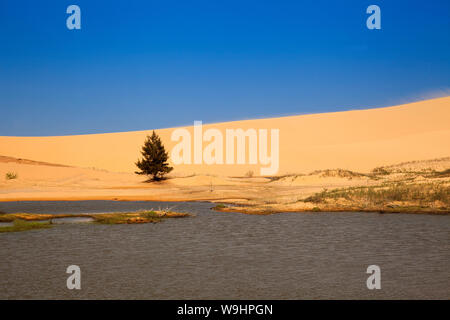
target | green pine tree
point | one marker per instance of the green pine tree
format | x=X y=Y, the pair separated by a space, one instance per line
x=154 y=158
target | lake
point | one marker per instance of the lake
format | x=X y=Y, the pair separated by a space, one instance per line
x=217 y=255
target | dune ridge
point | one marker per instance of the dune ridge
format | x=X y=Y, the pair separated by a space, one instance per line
x=355 y=140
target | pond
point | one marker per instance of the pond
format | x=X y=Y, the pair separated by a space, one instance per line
x=216 y=255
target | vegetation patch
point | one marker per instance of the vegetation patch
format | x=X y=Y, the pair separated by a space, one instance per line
x=380 y=171
x=341 y=173
x=440 y=174
x=249 y=174
x=9 y=217
x=219 y=207
x=424 y=194
x=28 y=221
x=277 y=178
x=23 y=225
x=136 y=217
x=128 y=217
x=11 y=175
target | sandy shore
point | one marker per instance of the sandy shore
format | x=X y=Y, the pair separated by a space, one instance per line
x=259 y=195
x=411 y=142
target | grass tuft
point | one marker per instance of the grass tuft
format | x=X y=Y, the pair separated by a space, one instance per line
x=249 y=174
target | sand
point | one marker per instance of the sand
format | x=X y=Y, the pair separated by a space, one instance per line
x=414 y=137
x=355 y=140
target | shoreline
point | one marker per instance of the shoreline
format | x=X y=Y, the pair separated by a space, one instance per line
x=257 y=211
x=30 y=221
x=417 y=187
x=233 y=207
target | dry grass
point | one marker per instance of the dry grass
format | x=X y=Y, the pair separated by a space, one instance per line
x=11 y=175
x=28 y=221
x=441 y=174
x=424 y=193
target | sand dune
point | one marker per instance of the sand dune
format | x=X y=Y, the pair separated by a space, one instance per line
x=355 y=140
x=41 y=181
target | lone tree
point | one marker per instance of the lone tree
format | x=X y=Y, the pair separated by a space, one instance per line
x=154 y=158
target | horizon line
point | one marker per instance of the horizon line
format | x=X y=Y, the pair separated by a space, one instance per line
x=238 y=120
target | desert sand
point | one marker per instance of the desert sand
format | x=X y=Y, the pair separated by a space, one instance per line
x=405 y=139
x=354 y=140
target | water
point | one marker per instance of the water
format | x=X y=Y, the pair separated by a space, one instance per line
x=6 y=224
x=226 y=255
x=72 y=220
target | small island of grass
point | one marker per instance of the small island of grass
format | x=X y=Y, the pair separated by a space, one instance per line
x=30 y=221
x=23 y=225
x=135 y=217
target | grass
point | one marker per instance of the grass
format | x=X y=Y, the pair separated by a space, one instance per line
x=441 y=174
x=380 y=171
x=424 y=193
x=27 y=221
x=22 y=225
x=288 y=175
x=249 y=174
x=11 y=175
x=342 y=173
x=10 y=217
x=128 y=217
x=219 y=206
x=136 y=217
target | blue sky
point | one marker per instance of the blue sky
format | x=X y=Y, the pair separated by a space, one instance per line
x=138 y=65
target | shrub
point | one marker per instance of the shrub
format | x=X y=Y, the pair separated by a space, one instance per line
x=11 y=175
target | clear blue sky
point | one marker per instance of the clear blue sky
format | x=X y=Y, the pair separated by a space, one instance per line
x=139 y=65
